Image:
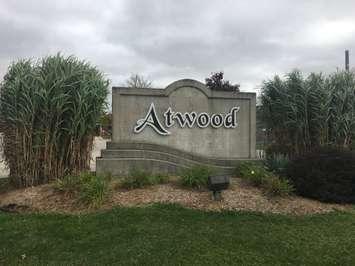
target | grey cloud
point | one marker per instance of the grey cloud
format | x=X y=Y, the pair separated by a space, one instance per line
x=166 y=40
x=17 y=40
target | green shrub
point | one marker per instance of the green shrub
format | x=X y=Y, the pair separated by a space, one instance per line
x=159 y=179
x=253 y=172
x=91 y=189
x=69 y=184
x=277 y=163
x=256 y=174
x=276 y=186
x=140 y=179
x=196 y=176
x=327 y=175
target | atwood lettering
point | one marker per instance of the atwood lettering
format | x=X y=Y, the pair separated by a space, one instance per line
x=202 y=120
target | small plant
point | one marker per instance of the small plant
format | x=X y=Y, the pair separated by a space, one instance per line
x=196 y=176
x=136 y=179
x=68 y=184
x=159 y=179
x=253 y=172
x=277 y=163
x=92 y=189
x=140 y=179
x=276 y=186
x=257 y=175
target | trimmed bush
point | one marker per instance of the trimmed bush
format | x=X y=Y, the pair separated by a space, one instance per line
x=327 y=175
x=196 y=176
x=140 y=179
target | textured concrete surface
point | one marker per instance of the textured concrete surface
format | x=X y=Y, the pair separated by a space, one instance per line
x=130 y=105
x=220 y=148
x=119 y=159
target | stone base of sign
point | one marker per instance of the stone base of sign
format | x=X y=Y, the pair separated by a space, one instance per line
x=121 y=158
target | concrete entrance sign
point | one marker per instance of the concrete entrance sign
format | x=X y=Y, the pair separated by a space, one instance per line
x=166 y=130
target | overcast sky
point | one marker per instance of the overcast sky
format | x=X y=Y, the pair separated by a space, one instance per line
x=167 y=40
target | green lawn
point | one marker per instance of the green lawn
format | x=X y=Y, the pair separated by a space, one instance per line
x=172 y=235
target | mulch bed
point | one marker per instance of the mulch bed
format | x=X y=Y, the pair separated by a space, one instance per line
x=239 y=197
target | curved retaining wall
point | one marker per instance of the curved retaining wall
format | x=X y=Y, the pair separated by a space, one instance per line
x=119 y=159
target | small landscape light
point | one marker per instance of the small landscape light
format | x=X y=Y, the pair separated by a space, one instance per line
x=216 y=184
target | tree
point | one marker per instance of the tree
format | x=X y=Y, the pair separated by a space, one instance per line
x=216 y=82
x=138 y=81
x=48 y=114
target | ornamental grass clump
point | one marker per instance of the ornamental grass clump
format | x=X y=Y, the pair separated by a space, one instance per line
x=258 y=175
x=48 y=113
x=88 y=188
x=196 y=176
x=253 y=172
x=302 y=114
x=277 y=163
x=93 y=189
x=141 y=179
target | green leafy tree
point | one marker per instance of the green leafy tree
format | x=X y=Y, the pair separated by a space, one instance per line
x=216 y=82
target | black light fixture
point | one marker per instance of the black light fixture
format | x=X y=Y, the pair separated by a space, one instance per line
x=216 y=184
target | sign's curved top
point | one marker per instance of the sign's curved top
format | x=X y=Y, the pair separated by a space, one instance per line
x=180 y=84
x=188 y=83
